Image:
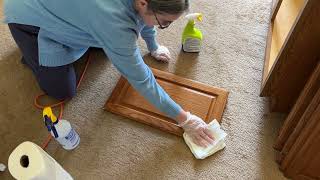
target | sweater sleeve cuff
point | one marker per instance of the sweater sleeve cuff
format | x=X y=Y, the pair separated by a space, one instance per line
x=151 y=44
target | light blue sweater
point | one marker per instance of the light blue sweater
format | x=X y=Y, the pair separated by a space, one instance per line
x=69 y=27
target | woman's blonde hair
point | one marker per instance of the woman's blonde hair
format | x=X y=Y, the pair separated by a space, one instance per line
x=168 y=6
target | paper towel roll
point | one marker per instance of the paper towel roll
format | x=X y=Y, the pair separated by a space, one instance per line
x=29 y=162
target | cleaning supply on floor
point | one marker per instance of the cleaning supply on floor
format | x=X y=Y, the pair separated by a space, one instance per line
x=61 y=130
x=219 y=137
x=192 y=36
x=28 y=161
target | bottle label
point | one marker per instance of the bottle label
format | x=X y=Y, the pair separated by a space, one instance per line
x=70 y=141
x=72 y=136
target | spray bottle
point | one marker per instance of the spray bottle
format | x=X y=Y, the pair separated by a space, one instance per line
x=61 y=130
x=191 y=36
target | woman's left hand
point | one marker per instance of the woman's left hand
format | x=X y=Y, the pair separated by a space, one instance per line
x=161 y=54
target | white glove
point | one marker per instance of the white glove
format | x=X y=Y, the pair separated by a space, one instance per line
x=198 y=130
x=161 y=54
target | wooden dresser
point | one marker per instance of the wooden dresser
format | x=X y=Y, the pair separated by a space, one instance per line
x=292 y=51
x=291 y=79
x=298 y=142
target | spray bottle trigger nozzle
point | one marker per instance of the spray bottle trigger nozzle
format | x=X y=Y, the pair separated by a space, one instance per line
x=50 y=126
x=47 y=122
x=199 y=18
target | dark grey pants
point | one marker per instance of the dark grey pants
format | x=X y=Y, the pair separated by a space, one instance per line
x=58 y=82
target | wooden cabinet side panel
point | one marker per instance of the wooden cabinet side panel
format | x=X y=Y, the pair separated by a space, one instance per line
x=275 y=9
x=299 y=108
x=263 y=91
x=303 y=159
x=301 y=126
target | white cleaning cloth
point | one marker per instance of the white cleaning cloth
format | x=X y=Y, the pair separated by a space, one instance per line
x=201 y=152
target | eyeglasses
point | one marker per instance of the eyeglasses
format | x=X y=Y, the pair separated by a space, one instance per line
x=160 y=25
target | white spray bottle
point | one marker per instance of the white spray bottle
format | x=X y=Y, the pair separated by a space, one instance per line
x=61 y=130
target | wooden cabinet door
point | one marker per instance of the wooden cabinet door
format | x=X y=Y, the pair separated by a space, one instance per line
x=205 y=101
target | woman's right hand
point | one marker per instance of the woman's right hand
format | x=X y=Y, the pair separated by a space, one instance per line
x=197 y=129
x=161 y=54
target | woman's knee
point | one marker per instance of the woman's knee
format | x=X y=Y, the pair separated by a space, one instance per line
x=58 y=82
x=66 y=94
x=59 y=92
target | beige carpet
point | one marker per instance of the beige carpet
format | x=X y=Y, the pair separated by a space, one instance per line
x=113 y=147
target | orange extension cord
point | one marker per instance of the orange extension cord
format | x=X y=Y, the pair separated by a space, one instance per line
x=61 y=103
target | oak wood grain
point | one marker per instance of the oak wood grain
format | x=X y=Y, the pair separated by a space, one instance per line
x=205 y=101
x=303 y=158
x=284 y=22
x=305 y=98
